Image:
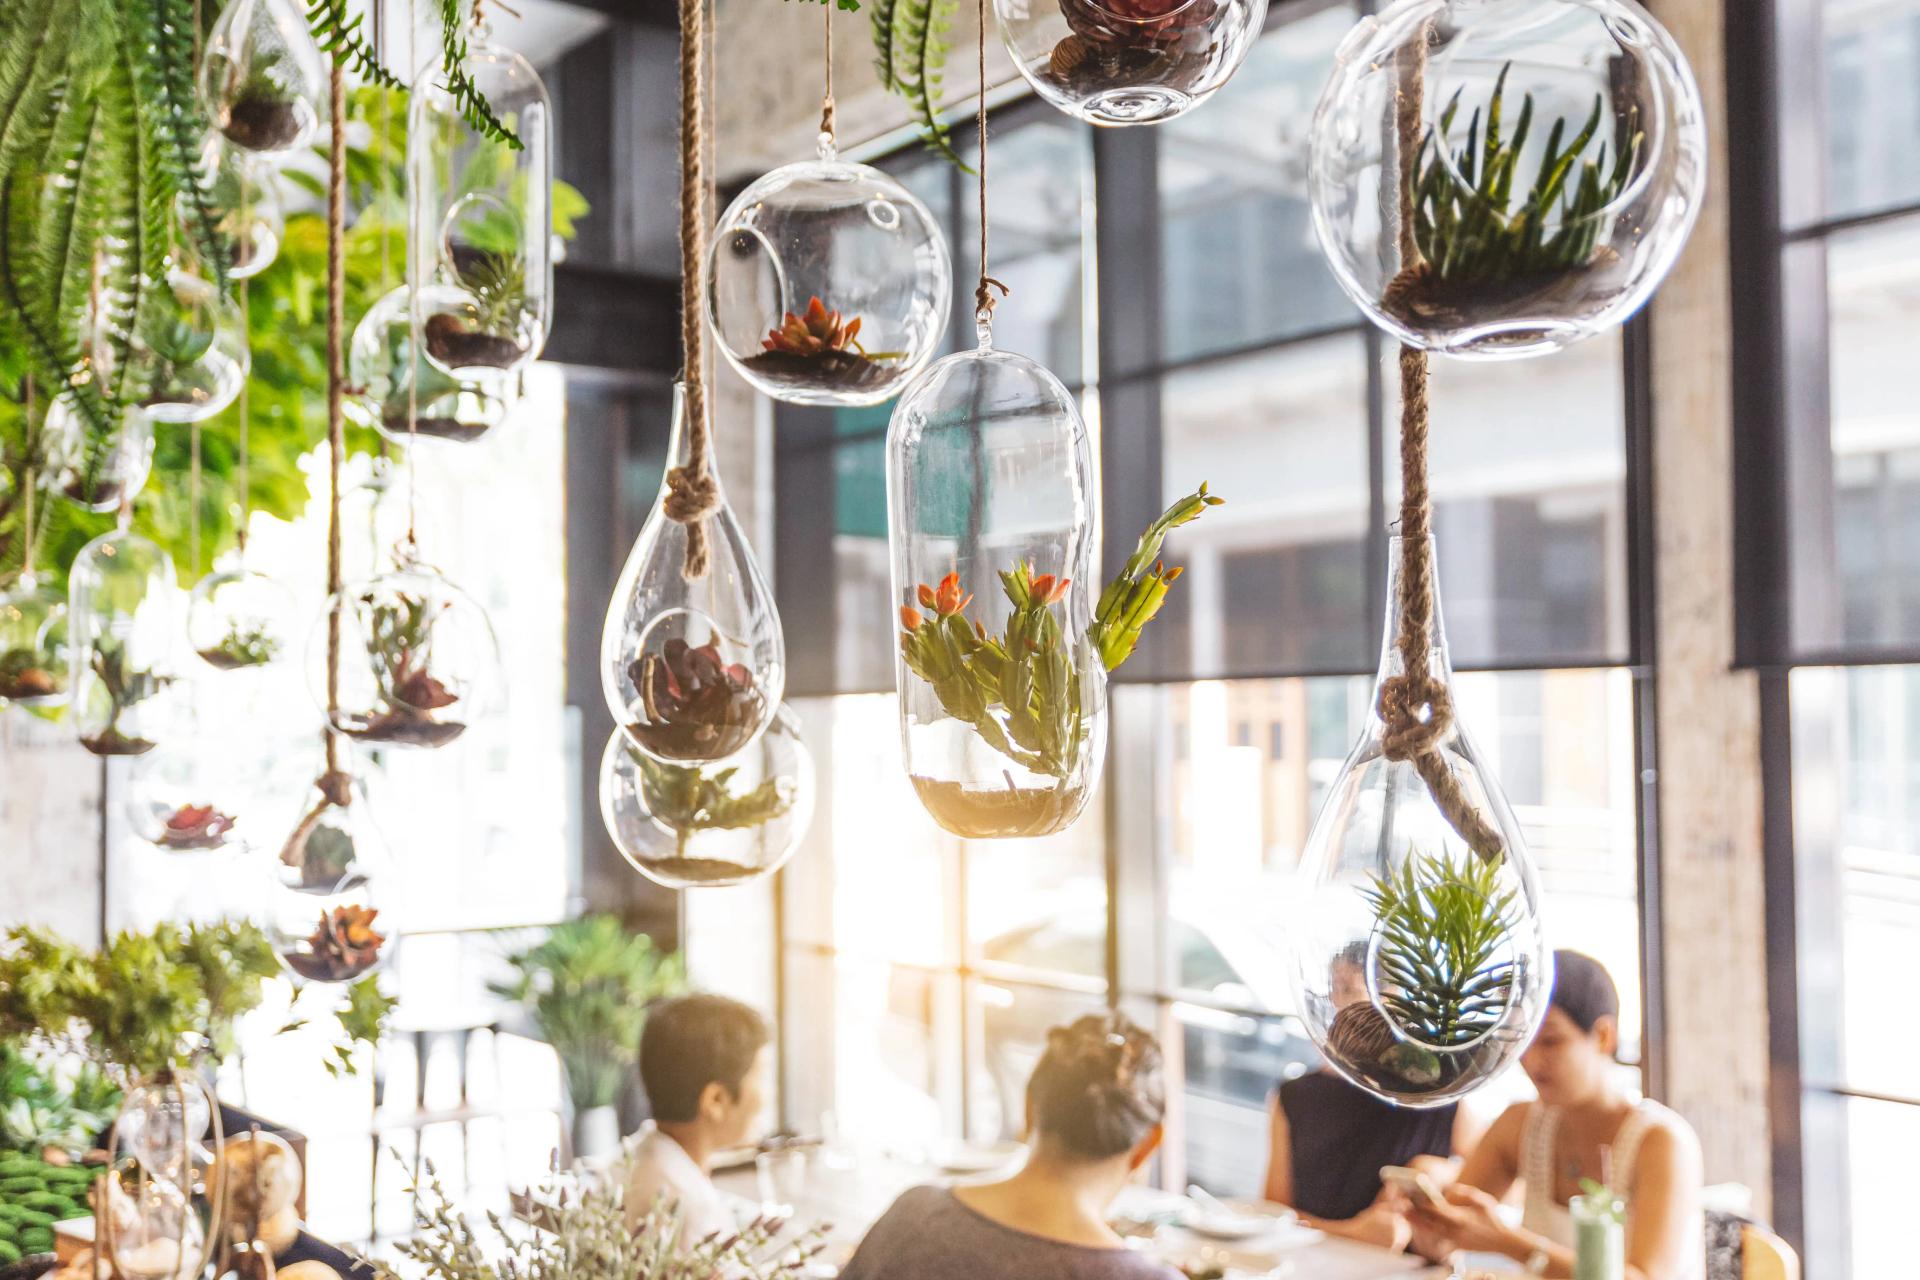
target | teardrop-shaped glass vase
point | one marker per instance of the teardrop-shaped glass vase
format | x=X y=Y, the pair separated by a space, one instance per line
x=685 y=826
x=328 y=912
x=122 y=619
x=1419 y=965
x=693 y=671
x=990 y=500
x=263 y=80
x=33 y=645
x=102 y=479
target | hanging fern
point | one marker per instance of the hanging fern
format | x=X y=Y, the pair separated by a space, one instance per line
x=169 y=112
x=910 y=42
x=473 y=104
x=338 y=33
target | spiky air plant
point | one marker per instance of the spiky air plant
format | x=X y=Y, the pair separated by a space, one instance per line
x=485 y=331
x=1484 y=239
x=1443 y=925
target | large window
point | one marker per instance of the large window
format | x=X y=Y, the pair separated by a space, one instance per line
x=1172 y=278
x=1830 y=607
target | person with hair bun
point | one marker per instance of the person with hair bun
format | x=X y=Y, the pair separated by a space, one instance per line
x=1584 y=1127
x=1094 y=1106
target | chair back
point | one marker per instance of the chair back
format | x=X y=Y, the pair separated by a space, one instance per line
x=1765 y=1256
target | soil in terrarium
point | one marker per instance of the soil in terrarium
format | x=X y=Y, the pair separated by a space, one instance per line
x=102 y=493
x=456 y=346
x=1364 y=1042
x=405 y=726
x=828 y=370
x=112 y=742
x=989 y=813
x=437 y=428
x=260 y=121
x=1083 y=68
x=24 y=679
x=700 y=870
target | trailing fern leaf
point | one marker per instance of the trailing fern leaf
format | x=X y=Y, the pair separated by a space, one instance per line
x=170 y=113
x=473 y=104
x=910 y=39
x=53 y=362
x=33 y=76
x=338 y=33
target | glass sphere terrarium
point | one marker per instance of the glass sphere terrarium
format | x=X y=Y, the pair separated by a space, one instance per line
x=418 y=659
x=1419 y=965
x=1560 y=166
x=381 y=367
x=692 y=671
x=263 y=80
x=1119 y=62
x=121 y=623
x=724 y=823
x=327 y=913
x=249 y=218
x=239 y=619
x=828 y=283
x=188 y=354
x=480 y=256
x=990 y=499
x=97 y=480
x=33 y=646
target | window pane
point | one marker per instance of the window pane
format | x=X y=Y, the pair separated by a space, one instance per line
x=1528 y=465
x=1232 y=1061
x=1007 y=1032
x=1872 y=104
x=1042 y=198
x=1039 y=907
x=1240 y=262
x=1276 y=579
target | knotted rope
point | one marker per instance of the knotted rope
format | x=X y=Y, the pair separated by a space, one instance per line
x=1415 y=705
x=693 y=492
x=334 y=783
x=983 y=298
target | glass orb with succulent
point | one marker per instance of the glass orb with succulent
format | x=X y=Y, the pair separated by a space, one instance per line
x=239 y=619
x=329 y=888
x=121 y=621
x=382 y=373
x=33 y=645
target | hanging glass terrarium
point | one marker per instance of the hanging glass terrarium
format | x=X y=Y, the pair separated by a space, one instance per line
x=263 y=80
x=1559 y=165
x=103 y=479
x=121 y=623
x=480 y=256
x=828 y=283
x=188 y=354
x=249 y=219
x=692 y=671
x=1114 y=62
x=33 y=645
x=327 y=895
x=381 y=365
x=1419 y=964
x=419 y=661
x=153 y=1228
x=991 y=501
x=239 y=620
x=713 y=824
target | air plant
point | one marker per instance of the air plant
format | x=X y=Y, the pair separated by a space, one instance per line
x=194 y=826
x=126 y=686
x=343 y=945
x=1020 y=691
x=247 y=643
x=1442 y=923
x=698 y=706
x=399 y=642
x=484 y=331
x=1478 y=236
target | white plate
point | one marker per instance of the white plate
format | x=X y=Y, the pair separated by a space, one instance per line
x=973 y=1157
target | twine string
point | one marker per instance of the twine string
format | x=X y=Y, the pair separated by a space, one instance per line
x=335 y=782
x=693 y=492
x=1415 y=705
x=244 y=467
x=983 y=299
x=826 y=103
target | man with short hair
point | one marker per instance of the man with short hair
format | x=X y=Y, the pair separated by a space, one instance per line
x=705 y=1062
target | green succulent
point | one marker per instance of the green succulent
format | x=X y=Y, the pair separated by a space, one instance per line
x=1442 y=922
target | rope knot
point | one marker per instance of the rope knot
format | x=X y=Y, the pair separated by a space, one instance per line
x=1409 y=733
x=692 y=496
x=337 y=786
x=983 y=299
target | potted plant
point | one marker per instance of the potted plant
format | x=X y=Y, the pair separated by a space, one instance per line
x=586 y=987
x=125 y=685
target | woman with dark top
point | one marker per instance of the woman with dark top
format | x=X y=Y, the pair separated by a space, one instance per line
x=1330 y=1139
x=1093 y=1117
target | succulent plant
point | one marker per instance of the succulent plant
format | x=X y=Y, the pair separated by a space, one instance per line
x=816 y=332
x=345 y=944
x=247 y=643
x=195 y=826
x=698 y=705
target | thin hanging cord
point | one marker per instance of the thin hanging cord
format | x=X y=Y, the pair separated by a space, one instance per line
x=693 y=493
x=1410 y=736
x=27 y=482
x=826 y=103
x=244 y=479
x=410 y=549
x=193 y=499
x=983 y=298
x=335 y=784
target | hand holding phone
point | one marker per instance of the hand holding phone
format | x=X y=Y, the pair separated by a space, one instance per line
x=1414 y=1184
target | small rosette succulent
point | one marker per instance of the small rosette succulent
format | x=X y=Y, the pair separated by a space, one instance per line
x=195 y=826
x=346 y=944
x=817 y=332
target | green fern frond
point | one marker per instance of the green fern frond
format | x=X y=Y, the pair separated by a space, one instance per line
x=170 y=113
x=52 y=360
x=33 y=76
x=135 y=231
x=881 y=21
x=474 y=107
x=913 y=57
x=338 y=33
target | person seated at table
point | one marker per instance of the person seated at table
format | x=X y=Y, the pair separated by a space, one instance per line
x=704 y=1062
x=1094 y=1105
x=1584 y=1127
x=1329 y=1140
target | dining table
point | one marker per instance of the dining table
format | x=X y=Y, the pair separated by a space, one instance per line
x=844 y=1192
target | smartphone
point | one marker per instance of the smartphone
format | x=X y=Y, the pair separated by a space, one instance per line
x=1418 y=1186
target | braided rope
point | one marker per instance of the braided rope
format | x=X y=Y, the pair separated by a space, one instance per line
x=693 y=493
x=334 y=783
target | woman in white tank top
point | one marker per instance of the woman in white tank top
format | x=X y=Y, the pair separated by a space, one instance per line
x=1584 y=1128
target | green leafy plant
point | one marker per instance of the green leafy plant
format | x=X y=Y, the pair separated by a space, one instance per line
x=42 y=1106
x=1442 y=922
x=910 y=44
x=247 y=643
x=126 y=687
x=1476 y=230
x=689 y=800
x=587 y=986
x=586 y=1235
x=1020 y=691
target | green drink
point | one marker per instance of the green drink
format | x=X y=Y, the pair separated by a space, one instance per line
x=1599 y=1237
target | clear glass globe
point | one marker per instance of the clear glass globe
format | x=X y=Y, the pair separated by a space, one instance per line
x=33 y=645
x=161 y=1121
x=239 y=620
x=418 y=659
x=102 y=481
x=1116 y=62
x=263 y=80
x=188 y=354
x=828 y=283
x=991 y=504
x=249 y=219
x=1495 y=241
x=328 y=913
x=380 y=367
x=122 y=619
x=724 y=823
